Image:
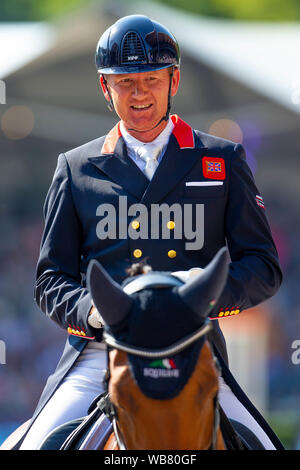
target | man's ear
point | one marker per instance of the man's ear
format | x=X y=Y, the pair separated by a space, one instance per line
x=175 y=81
x=103 y=84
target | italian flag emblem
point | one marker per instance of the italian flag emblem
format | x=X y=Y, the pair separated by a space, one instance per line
x=163 y=364
x=162 y=368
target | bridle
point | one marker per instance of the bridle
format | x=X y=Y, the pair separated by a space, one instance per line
x=154 y=280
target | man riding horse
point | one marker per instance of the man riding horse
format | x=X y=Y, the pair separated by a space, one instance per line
x=151 y=162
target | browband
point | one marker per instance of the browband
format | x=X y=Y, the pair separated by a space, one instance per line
x=151 y=280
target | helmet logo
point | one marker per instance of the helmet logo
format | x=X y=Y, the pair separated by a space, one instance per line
x=132 y=57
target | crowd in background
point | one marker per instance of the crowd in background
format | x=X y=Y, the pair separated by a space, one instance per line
x=33 y=342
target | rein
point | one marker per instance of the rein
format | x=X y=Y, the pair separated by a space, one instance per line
x=109 y=409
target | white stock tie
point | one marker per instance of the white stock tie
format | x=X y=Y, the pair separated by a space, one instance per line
x=149 y=155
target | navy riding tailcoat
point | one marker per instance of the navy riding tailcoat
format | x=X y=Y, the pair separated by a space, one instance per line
x=197 y=170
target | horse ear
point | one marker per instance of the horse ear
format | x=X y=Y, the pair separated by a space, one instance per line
x=202 y=291
x=110 y=300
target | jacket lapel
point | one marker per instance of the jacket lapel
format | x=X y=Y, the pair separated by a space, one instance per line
x=115 y=163
x=181 y=155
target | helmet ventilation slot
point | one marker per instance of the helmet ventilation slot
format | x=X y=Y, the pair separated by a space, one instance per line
x=132 y=49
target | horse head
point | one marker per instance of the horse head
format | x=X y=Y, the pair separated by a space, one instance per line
x=163 y=376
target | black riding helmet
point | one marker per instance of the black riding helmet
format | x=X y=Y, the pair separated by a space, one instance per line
x=136 y=44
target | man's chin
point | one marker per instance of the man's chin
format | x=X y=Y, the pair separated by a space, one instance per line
x=142 y=126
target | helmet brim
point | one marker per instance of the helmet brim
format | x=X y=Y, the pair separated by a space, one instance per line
x=133 y=69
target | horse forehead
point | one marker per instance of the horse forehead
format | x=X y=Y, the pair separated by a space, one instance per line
x=160 y=379
x=163 y=379
x=158 y=317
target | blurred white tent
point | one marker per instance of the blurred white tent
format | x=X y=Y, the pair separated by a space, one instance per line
x=21 y=43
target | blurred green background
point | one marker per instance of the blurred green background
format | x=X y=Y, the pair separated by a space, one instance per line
x=260 y=10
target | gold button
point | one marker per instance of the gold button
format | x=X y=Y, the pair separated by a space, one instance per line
x=171 y=225
x=226 y=313
x=221 y=314
x=172 y=253
x=236 y=312
x=137 y=253
x=135 y=224
x=70 y=330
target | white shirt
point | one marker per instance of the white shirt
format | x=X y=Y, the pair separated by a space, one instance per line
x=134 y=144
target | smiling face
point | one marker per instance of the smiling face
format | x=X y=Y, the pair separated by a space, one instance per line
x=141 y=100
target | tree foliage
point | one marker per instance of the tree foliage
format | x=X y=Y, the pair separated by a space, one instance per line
x=36 y=10
x=256 y=10
x=253 y=10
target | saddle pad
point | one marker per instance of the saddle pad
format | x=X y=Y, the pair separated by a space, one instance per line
x=163 y=379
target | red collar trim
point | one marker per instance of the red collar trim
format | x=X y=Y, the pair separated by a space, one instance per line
x=111 y=140
x=182 y=132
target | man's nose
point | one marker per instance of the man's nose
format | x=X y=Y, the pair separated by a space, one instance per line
x=139 y=89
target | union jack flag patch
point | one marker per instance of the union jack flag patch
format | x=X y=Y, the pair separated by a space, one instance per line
x=213 y=168
x=260 y=201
